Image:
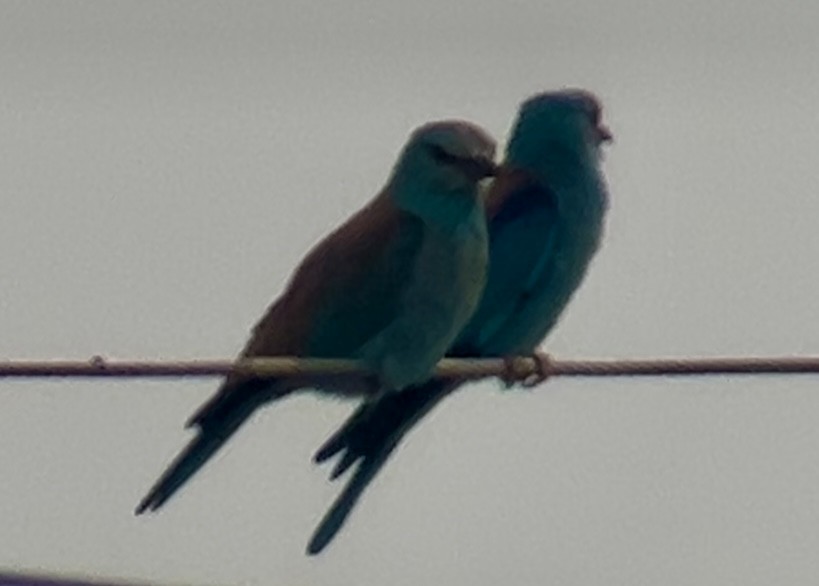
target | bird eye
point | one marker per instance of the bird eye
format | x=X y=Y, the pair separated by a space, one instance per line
x=442 y=156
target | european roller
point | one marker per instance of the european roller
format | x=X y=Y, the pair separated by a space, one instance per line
x=545 y=211
x=392 y=288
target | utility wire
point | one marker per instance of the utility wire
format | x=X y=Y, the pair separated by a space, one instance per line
x=532 y=369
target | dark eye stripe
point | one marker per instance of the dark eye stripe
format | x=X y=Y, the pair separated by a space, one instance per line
x=443 y=157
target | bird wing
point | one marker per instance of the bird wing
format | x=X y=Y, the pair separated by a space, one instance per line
x=522 y=215
x=346 y=290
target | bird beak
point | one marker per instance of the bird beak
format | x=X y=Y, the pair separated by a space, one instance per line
x=604 y=133
x=480 y=167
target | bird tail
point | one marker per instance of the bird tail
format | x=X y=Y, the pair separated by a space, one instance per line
x=370 y=436
x=217 y=420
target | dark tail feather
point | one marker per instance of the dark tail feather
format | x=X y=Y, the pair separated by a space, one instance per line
x=218 y=421
x=340 y=439
x=370 y=436
x=373 y=424
x=199 y=451
x=334 y=520
x=343 y=464
x=220 y=406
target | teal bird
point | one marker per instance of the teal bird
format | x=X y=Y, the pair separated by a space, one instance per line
x=392 y=287
x=545 y=211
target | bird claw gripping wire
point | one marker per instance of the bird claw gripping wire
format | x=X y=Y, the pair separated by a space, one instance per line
x=516 y=370
x=543 y=370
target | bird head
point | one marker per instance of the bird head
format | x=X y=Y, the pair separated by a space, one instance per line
x=564 y=125
x=447 y=156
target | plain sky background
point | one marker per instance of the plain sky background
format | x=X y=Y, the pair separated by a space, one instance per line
x=164 y=166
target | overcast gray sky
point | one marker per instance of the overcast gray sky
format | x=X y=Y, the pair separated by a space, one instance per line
x=164 y=166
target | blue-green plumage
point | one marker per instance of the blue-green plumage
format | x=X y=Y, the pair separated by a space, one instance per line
x=391 y=287
x=546 y=220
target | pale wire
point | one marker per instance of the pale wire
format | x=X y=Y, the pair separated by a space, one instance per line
x=529 y=370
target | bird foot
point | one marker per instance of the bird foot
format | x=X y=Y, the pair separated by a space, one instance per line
x=543 y=370
x=516 y=370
